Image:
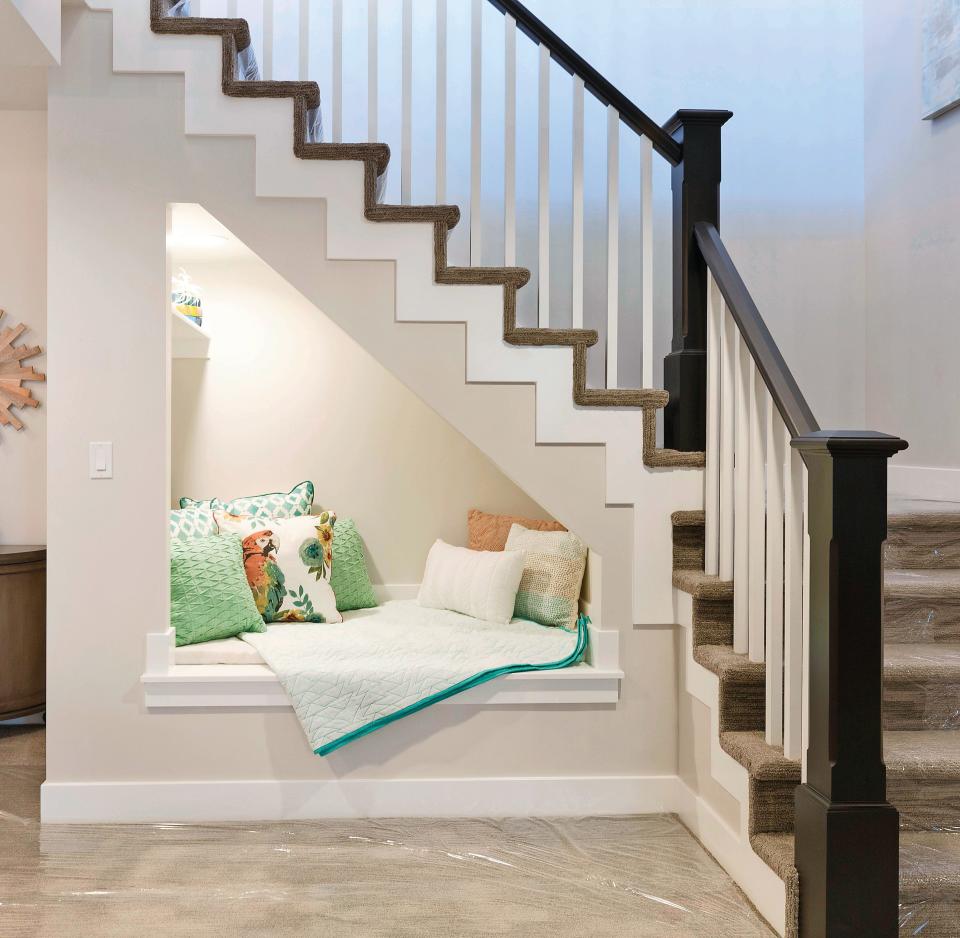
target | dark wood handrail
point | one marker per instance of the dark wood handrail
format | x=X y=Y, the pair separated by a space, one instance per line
x=593 y=81
x=777 y=376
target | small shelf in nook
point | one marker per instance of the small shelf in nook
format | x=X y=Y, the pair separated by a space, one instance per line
x=188 y=340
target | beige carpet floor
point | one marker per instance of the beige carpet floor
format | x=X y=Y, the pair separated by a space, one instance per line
x=638 y=876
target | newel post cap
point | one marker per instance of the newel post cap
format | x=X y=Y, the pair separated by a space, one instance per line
x=849 y=442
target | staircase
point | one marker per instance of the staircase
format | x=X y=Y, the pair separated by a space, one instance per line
x=762 y=717
x=922 y=709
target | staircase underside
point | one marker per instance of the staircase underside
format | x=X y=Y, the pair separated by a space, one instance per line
x=235 y=35
x=922 y=712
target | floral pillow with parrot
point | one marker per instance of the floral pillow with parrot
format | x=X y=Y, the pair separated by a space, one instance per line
x=288 y=563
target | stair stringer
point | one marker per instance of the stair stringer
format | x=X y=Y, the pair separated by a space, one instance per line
x=279 y=174
x=731 y=847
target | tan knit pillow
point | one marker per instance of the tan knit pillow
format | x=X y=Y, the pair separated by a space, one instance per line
x=553 y=568
x=489 y=532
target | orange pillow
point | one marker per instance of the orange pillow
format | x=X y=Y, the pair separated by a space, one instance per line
x=489 y=532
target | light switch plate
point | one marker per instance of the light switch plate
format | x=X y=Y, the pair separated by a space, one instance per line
x=101 y=460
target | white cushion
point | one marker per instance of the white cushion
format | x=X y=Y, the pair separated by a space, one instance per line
x=478 y=583
x=218 y=651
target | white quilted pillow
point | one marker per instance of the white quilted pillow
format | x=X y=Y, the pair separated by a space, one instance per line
x=478 y=583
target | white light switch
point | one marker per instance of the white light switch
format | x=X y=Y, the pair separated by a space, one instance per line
x=101 y=460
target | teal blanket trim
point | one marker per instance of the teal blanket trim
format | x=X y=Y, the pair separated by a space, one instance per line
x=477 y=679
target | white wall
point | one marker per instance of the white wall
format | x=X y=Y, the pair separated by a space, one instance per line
x=118 y=156
x=23 y=293
x=286 y=396
x=912 y=246
x=792 y=190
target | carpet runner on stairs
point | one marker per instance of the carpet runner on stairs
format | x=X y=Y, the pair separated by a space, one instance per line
x=922 y=709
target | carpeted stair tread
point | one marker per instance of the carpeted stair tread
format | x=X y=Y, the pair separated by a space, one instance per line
x=523 y=335
x=929 y=866
x=922 y=754
x=776 y=850
x=676 y=459
x=687 y=519
x=935 y=584
x=377 y=153
x=929 y=862
x=448 y=215
x=723 y=661
x=702 y=586
x=917 y=513
x=484 y=276
x=199 y=25
x=923 y=534
x=763 y=761
x=308 y=90
x=620 y=397
x=922 y=663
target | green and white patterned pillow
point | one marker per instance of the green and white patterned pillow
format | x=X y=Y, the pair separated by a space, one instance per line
x=209 y=594
x=191 y=522
x=553 y=568
x=298 y=501
x=349 y=578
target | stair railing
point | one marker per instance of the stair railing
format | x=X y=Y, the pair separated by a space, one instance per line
x=592 y=249
x=796 y=516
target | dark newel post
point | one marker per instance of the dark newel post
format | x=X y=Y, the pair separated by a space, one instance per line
x=846 y=832
x=696 y=197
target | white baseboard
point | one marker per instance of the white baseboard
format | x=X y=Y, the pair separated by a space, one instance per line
x=195 y=802
x=931 y=483
x=762 y=886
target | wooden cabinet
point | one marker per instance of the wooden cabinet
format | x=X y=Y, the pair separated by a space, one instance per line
x=23 y=630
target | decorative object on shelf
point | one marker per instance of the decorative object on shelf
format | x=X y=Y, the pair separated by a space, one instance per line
x=941 y=57
x=13 y=373
x=186 y=299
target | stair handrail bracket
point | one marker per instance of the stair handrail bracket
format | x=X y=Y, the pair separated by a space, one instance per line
x=826 y=600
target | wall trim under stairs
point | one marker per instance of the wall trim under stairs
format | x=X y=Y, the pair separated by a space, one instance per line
x=303 y=799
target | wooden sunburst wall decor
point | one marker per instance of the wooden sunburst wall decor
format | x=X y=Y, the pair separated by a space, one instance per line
x=13 y=372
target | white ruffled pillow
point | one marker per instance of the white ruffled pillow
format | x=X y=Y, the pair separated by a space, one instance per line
x=478 y=583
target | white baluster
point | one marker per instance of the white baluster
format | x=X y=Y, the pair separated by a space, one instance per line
x=805 y=664
x=711 y=476
x=304 y=40
x=613 y=246
x=646 y=257
x=373 y=69
x=232 y=9
x=441 y=143
x=727 y=442
x=543 y=161
x=267 y=63
x=476 y=113
x=337 y=82
x=774 y=649
x=576 y=241
x=793 y=601
x=759 y=403
x=741 y=499
x=406 y=105
x=510 y=141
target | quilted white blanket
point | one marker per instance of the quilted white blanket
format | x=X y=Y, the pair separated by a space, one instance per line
x=348 y=679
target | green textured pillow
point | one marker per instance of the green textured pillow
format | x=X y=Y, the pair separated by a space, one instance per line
x=209 y=594
x=348 y=577
x=298 y=501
